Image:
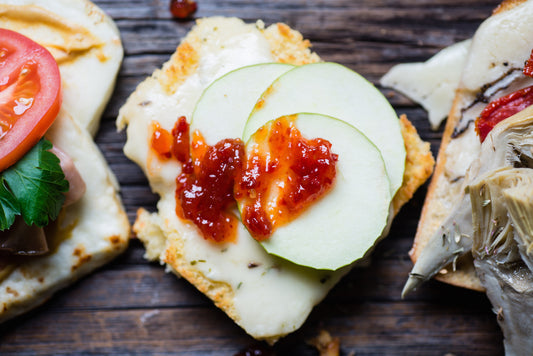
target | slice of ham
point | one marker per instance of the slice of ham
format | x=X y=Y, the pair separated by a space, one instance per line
x=76 y=184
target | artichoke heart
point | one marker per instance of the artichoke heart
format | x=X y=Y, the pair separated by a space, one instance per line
x=502 y=212
x=509 y=144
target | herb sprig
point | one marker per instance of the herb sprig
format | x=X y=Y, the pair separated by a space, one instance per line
x=33 y=187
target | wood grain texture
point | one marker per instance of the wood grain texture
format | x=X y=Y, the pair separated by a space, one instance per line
x=132 y=307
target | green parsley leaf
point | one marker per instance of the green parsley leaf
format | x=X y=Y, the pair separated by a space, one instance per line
x=34 y=186
x=9 y=207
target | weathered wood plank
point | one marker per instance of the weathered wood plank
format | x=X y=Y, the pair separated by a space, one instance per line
x=134 y=307
x=380 y=328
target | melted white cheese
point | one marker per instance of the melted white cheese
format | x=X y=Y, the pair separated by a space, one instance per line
x=432 y=83
x=503 y=41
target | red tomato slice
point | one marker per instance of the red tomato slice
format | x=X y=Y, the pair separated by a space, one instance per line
x=30 y=95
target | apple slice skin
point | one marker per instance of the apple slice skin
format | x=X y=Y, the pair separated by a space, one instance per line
x=344 y=224
x=230 y=99
x=334 y=90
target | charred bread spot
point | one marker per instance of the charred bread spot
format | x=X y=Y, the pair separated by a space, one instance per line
x=82 y=258
x=289 y=46
x=284 y=30
x=507 y=5
x=12 y=291
x=184 y=62
x=116 y=242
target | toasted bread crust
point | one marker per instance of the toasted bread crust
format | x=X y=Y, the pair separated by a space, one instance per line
x=507 y=5
x=419 y=164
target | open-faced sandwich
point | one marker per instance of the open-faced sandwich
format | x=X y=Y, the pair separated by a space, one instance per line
x=60 y=213
x=276 y=172
x=475 y=230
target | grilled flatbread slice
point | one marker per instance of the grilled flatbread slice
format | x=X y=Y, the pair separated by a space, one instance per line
x=87 y=234
x=267 y=296
x=492 y=68
x=84 y=41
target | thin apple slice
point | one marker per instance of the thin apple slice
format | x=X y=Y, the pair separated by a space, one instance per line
x=332 y=89
x=343 y=224
x=224 y=107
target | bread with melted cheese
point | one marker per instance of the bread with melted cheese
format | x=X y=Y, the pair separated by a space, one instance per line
x=267 y=296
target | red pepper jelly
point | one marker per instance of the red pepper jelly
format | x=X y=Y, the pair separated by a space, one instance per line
x=182 y=9
x=283 y=174
x=204 y=192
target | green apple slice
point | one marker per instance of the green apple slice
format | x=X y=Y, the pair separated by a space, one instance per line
x=332 y=89
x=224 y=107
x=344 y=224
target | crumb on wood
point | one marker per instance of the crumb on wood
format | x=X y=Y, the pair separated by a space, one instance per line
x=325 y=344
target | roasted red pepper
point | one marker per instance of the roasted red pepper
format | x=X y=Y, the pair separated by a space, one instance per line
x=501 y=109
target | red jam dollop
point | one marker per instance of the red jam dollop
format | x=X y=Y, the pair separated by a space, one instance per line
x=502 y=108
x=182 y=9
x=278 y=178
x=284 y=173
x=204 y=192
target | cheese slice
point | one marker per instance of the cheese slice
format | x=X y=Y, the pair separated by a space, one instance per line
x=431 y=83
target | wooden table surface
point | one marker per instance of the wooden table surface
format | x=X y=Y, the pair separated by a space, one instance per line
x=132 y=307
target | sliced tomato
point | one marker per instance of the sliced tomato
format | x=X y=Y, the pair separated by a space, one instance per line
x=30 y=95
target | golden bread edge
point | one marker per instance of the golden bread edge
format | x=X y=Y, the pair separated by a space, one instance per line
x=287 y=46
x=433 y=214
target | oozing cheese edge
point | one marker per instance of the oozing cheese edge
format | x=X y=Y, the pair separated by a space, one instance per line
x=431 y=83
x=271 y=297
